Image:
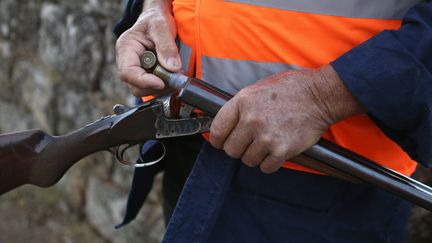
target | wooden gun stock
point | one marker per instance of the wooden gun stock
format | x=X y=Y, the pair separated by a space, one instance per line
x=18 y=154
x=34 y=157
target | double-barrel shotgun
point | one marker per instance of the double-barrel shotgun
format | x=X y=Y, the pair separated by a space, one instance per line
x=34 y=157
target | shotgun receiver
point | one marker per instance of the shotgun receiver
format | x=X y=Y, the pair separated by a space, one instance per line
x=34 y=157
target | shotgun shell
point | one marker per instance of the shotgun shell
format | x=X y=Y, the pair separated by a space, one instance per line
x=148 y=60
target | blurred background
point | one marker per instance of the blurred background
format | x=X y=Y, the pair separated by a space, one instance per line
x=57 y=72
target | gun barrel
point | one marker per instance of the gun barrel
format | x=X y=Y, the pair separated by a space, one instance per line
x=205 y=96
x=370 y=172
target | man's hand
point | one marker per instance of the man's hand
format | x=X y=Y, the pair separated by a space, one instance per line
x=154 y=30
x=281 y=116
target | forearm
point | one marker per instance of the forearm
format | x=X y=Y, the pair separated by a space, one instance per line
x=390 y=74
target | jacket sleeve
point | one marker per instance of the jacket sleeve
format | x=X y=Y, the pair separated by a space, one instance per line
x=130 y=15
x=391 y=75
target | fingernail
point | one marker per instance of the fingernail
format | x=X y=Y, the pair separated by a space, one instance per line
x=173 y=62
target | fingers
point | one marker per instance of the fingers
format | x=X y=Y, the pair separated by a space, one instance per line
x=271 y=164
x=254 y=154
x=128 y=51
x=237 y=141
x=146 y=84
x=153 y=30
x=237 y=138
x=224 y=122
x=166 y=50
x=129 y=68
x=162 y=31
x=269 y=157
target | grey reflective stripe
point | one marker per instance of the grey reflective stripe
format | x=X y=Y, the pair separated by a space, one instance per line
x=232 y=75
x=377 y=9
x=185 y=55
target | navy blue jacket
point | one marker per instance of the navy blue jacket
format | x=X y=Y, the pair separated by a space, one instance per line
x=391 y=75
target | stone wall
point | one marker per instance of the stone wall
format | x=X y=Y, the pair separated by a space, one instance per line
x=57 y=73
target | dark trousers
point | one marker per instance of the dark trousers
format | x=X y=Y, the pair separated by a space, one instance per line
x=225 y=201
x=178 y=162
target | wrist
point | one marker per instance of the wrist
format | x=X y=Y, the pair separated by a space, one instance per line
x=333 y=96
x=158 y=5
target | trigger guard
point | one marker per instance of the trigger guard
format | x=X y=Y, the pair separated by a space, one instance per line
x=150 y=163
x=119 y=156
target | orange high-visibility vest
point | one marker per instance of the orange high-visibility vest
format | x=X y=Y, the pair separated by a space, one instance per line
x=234 y=43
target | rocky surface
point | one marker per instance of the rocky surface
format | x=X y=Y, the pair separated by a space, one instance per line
x=57 y=73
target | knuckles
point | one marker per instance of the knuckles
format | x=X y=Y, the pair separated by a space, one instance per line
x=266 y=141
x=252 y=121
x=279 y=152
x=251 y=162
x=269 y=169
x=271 y=164
x=242 y=97
x=167 y=46
x=232 y=152
x=123 y=42
x=215 y=136
x=150 y=16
